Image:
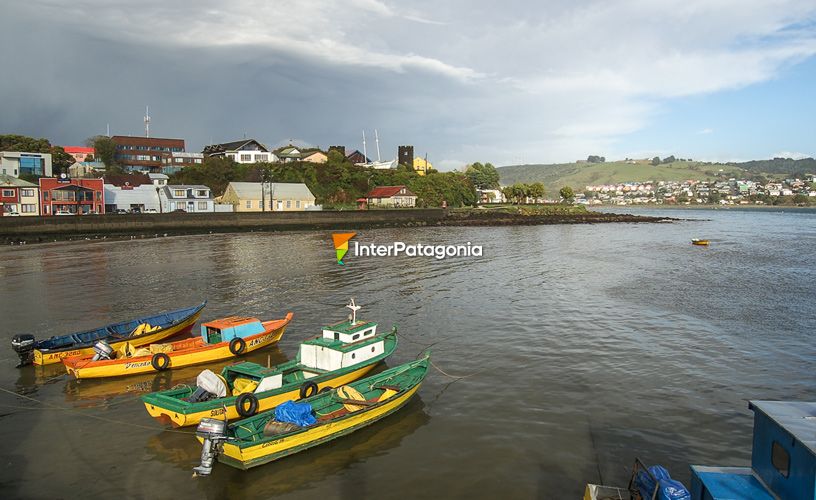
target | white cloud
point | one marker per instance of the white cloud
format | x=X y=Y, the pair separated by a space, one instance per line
x=473 y=79
x=706 y=131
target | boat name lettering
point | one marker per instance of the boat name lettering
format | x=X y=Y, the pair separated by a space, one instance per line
x=272 y=443
x=260 y=340
x=136 y=365
x=217 y=411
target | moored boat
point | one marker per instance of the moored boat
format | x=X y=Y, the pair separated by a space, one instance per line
x=272 y=435
x=220 y=339
x=345 y=352
x=699 y=242
x=136 y=332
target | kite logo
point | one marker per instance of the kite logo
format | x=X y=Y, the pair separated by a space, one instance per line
x=341 y=245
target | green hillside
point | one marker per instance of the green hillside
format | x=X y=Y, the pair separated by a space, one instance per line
x=579 y=175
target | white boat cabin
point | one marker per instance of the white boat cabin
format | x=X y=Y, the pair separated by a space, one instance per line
x=342 y=345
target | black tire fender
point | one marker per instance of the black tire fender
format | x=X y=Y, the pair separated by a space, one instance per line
x=237 y=346
x=160 y=361
x=241 y=404
x=308 y=389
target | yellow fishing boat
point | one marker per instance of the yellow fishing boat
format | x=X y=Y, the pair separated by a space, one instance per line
x=220 y=339
x=275 y=434
x=699 y=242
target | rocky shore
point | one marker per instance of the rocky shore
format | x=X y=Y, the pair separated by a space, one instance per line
x=26 y=230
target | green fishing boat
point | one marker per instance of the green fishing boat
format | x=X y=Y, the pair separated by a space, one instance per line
x=343 y=353
x=272 y=435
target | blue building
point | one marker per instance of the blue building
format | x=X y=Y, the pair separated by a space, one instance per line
x=783 y=458
x=16 y=164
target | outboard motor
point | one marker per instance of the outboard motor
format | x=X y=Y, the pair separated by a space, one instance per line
x=23 y=345
x=214 y=433
x=103 y=350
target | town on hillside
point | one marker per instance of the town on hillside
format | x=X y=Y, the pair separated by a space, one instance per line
x=149 y=175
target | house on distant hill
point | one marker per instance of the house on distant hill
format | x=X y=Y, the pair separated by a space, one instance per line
x=275 y=197
x=391 y=196
x=243 y=151
x=288 y=153
x=80 y=153
x=421 y=166
x=315 y=156
x=356 y=157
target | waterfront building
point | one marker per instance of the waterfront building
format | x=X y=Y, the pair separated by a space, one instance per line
x=391 y=196
x=65 y=196
x=80 y=153
x=243 y=151
x=148 y=154
x=421 y=166
x=187 y=198
x=135 y=193
x=275 y=197
x=18 y=197
x=17 y=163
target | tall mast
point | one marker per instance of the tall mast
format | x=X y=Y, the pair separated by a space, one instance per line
x=147 y=121
x=377 y=140
x=365 y=154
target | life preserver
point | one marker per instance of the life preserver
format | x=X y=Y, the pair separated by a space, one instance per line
x=237 y=346
x=160 y=361
x=308 y=389
x=241 y=404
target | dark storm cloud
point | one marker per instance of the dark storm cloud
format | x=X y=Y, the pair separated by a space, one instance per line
x=462 y=81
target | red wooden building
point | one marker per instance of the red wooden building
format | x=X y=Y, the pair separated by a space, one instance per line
x=71 y=196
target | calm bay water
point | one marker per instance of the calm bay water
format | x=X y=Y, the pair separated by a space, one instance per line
x=585 y=346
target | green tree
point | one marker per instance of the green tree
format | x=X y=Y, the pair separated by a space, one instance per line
x=669 y=159
x=567 y=194
x=536 y=191
x=801 y=199
x=60 y=160
x=105 y=150
x=15 y=142
x=656 y=161
x=483 y=176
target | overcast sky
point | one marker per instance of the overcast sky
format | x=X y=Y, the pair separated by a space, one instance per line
x=517 y=81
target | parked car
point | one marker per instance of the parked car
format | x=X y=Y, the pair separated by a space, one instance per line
x=150 y=211
x=63 y=212
x=120 y=211
x=11 y=214
x=135 y=210
x=180 y=210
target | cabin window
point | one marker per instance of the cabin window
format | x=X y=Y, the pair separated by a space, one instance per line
x=780 y=459
x=355 y=336
x=373 y=348
x=353 y=355
x=213 y=335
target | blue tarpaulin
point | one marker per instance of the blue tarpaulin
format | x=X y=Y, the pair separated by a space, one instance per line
x=668 y=488
x=295 y=413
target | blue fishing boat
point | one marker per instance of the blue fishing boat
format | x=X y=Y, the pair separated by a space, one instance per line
x=136 y=332
x=783 y=464
x=783 y=458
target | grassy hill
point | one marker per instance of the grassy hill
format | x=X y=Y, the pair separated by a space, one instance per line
x=579 y=175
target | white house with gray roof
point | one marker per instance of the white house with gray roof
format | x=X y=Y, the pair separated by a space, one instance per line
x=187 y=198
x=274 y=197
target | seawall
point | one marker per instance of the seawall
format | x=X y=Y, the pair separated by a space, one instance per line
x=41 y=229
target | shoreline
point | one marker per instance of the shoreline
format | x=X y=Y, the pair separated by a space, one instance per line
x=25 y=230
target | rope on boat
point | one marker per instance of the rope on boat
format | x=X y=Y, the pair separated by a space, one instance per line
x=90 y=415
x=457 y=377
